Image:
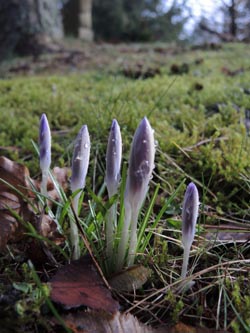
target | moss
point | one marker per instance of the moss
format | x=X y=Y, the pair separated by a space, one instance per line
x=201 y=130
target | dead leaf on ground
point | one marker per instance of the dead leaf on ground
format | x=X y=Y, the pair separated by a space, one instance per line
x=62 y=176
x=16 y=194
x=14 y=177
x=79 y=283
x=96 y=322
x=130 y=279
x=138 y=71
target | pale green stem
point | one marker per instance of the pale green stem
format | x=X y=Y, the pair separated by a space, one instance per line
x=133 y=238
x=74 y=235
x=111 y=222
x=185 y=261
x=45 y=176
x=124 y=238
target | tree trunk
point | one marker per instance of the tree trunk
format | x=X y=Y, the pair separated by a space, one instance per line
x=232 y=15
x=85 y=20
x=28 y=26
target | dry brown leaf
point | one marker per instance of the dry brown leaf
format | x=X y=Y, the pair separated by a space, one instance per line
x=79 y=283
x=62 y=176
x=130 y=279
x=99 y=322
x=15 y=192
x=12 y=198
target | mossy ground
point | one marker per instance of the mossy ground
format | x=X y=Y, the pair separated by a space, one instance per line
x=199 y=117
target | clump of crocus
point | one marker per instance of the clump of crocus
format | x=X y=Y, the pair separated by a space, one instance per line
x=44 y=151
x=189 y=218
x=80 y=163
x=141 y=164
x=113 y=166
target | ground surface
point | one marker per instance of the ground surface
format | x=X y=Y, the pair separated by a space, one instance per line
x=198 y=102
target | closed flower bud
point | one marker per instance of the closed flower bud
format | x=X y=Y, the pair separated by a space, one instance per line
x=141 y=164
x=189 y=218
x=189 y=214
x=44 y=143
x=113 y=159
x=80 y=165
x=80 y=161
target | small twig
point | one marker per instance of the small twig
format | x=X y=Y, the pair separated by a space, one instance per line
x=204 y=142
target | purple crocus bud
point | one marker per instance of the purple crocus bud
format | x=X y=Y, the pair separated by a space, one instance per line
x=44 y=144
x=113 y=166
x=141 y=164
x=189 y=214
x=80 y=165
x=189 y=218
x=113 y=158
x=80 y=160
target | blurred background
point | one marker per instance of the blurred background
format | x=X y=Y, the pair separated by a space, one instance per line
x=33 y=26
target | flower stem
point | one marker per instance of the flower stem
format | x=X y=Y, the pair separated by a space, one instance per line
x=74 y=235
x=111 y=222
x=45 y=176
x=124 y=238
x=133 y=238
x=185 y=261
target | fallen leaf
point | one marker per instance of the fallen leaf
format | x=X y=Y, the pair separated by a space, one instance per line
x=16 y=194
x=130 y=279
x=79 y=283
x=14 y=189
x=139 y=72
x=62 y=177
x=96 y=322
x=177 y=69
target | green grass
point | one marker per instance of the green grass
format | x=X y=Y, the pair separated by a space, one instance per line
x=200 y=136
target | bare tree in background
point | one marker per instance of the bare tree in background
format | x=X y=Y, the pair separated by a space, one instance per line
x=235 y=23
x=29 y=26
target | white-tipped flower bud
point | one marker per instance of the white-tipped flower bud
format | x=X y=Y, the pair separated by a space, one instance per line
x=44 y=144
x=113 y=158
x=189 y=217
x=189 y=214
x=80 y=161
x=80 y=164
x=141 y=164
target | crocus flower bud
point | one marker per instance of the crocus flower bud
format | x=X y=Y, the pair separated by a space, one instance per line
x=141 y=164
x=44 y=143
x=189 y=214
x=189 y=218
x=80 y=160
x=113 y=166
x=113 y=158
x=80 y=165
